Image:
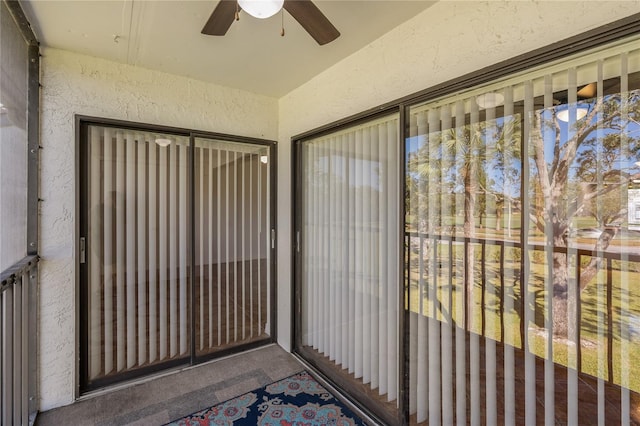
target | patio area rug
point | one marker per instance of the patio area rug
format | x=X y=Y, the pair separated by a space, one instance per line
x=297 y=400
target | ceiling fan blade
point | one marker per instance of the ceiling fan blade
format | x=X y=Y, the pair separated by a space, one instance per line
x=312 y=20
x=221 y=18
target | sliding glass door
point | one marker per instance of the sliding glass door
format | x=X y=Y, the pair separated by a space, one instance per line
x=522 y=248
x=349 y=259
x=175 y=250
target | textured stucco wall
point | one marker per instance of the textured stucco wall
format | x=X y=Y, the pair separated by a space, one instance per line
x=77 y=84
x=447 y=40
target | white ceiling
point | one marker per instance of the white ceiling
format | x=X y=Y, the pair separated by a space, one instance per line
x=165 y=35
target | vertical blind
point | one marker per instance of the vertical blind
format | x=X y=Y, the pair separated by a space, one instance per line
x=350 y=249
x=522 y=249
x=232 y=240
x=137 y=249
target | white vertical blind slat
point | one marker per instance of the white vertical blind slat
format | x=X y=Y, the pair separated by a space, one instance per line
x=384 y=254
x=322 y=201
x=253 y=160
x=444 y=294
x=227 y=227
x=393 y=270
x=211 y=239
x=509 y=327
x=601 y=284
x=184 y=251
x=572 y=355
x=346 y=252
x=625 y=278
x=200 y=202
x=153 y=251
x=163 y=255
x=437 y=123
x=376 y=175
x=260 y=232
x=219 y=241
x=173 y=248
x=472 y=306
x=461 y=303
x=120 y=250
x=353 y=177
x=234 y=241
x=243 y=259
x=108 y=256
x=366 y=255
x=95 y=253
x=130 y=226
x=332 y=259
x=529 y=368
x=490 y=322
x=143 y=212
x=549 y=368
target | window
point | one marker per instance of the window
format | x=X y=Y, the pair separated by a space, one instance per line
x=520 y=252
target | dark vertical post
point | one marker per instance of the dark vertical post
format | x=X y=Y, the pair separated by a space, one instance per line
x=610 y=319
x=483 y=283
x=578 y=315
x=403 y=299
x=502 y=292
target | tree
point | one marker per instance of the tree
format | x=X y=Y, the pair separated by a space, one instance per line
x=574 y=172
x=456 y=162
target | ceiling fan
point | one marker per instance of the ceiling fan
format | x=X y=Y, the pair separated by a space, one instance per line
x=304 y=11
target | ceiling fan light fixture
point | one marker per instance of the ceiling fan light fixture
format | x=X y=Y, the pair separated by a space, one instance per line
x=261 y=9
x=163 y=142
x=563 y=113
x=490 y=100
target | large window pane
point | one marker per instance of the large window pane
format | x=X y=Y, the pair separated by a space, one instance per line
x=232 y=244
x=522 y=247
x=138 y=250
x=349 y=245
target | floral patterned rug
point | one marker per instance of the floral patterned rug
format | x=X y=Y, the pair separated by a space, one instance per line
x=297 y=400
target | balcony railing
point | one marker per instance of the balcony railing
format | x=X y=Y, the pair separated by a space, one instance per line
x=18 y=350
x=441 y=261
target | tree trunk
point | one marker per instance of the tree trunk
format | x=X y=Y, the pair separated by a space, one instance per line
x=563 y=326
x=564 y=303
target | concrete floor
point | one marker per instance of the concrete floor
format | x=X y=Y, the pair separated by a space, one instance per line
x=179 y=393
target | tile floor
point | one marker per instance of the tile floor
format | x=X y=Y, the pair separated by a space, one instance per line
x=174 y=395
